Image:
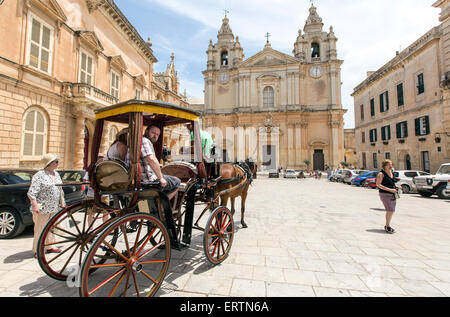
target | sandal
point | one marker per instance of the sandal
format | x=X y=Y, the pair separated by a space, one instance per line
x=388 y=229
x=54 y=250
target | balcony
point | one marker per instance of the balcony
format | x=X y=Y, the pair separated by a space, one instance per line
x=81 y=92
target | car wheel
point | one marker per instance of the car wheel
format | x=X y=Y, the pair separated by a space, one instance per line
x=440 y=191
x=425 y=194
x=405 y=189
x=10 y=223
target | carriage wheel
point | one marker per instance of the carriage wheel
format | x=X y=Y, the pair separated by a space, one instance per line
x=137 y=267
x=218 y=236
x=73 y=229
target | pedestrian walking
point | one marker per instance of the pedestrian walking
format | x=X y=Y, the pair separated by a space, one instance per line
x=46 y=199
x=388 y=192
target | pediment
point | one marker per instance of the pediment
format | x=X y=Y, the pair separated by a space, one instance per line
x=268 y=57
x=118 y=62
x=51 y=7
x=140 y=79
x=90 y=39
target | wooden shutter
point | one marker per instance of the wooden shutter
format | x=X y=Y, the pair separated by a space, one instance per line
x=372 y=107
x=398 y=128
x=383 y=133
x=417 y=125
x=427 y=124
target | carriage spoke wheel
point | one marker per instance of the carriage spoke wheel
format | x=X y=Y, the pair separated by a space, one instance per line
x=218 y=236
x=137 y=267
x=72 y=230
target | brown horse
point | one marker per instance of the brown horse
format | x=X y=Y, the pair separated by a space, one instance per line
x=233 y=175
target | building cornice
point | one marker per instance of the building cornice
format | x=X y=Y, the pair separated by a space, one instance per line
x=432 y=35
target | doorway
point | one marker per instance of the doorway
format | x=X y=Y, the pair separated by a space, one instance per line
x=407 y=162
x=318 y=160
x=269 y=157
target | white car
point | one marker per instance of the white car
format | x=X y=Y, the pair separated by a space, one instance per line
x=290 y=174
x=405 y=179
x=434 y=184
x=447 y=189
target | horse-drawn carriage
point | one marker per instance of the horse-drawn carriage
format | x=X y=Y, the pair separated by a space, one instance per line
x=123 y=248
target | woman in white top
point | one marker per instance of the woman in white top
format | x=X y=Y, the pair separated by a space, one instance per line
x=46 y=198
x=118 y=150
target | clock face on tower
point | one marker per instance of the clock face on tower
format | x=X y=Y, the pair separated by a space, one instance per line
x=316 y=71
x=224 y=77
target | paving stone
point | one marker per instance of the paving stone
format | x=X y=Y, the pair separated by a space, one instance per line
x=289 y=290
x=330 y=292
x=248 y=288
x=341 y=281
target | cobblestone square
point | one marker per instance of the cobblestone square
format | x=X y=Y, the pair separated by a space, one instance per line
x=304 y=238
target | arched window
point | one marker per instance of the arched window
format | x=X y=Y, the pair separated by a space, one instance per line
x=315 y=50
x=112 y=133
x=268 y=97
x=224 y=58
x=34 y=133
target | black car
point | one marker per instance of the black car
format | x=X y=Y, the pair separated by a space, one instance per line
x=15 y=214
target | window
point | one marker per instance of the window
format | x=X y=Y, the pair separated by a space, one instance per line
x=426 y=161
x=402 y=129
x=410 y=174
x=384 y=102
x=138 y=94
x=34 y=134
x=315 y=50
x=40 y=44
x=420 y=84
x=400 y=101
x=268 y=97
x=115 y=84
x=386 y=133
x=364 y=160
x=422 y=126
x=112 y=134
x=224 y=58
x=387 y=155
x=86 y=69
x=373 y=135
x=372 y=107
x=375 y=160
x=363 y=137
x=361 y=108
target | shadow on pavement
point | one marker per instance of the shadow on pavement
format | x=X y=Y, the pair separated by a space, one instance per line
x=378 y=209
x=376 y=231
x=19 y=257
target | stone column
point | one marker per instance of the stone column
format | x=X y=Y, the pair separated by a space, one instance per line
x=334 y=126
x=291 y=145
x=79 y=141
x=298 y=144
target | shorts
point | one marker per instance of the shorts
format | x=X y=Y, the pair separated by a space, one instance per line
x=172 y=184
x=388 y=201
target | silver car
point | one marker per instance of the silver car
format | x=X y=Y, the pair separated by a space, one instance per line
x=405 y=179
x=351 y=174
x=290 y=174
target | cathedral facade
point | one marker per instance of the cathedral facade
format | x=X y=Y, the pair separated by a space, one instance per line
x=276 y=109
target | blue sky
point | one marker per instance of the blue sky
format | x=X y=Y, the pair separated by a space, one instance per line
x=369 y=32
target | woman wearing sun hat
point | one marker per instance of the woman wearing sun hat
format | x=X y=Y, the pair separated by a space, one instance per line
x=46 y=198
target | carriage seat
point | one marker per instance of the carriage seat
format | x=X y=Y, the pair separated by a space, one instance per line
x=112 y=176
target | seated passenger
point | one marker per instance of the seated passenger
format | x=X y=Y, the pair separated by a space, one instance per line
x=118 y=150
x=150 y=168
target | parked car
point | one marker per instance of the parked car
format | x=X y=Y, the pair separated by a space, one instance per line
x=274 y=174
x=370 y=182
x=361 y=178
x=339 y=177
x=336 y=174
x=405 y=179
x=290 y=174
x=351 y=174
x=447 y=189
x=429 y=185
x=15 y=213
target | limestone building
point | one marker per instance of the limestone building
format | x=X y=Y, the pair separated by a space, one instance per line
x=402 y=109
x=276 y=108
x=59 y=61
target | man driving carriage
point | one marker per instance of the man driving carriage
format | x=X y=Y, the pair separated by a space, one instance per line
x=150 y=168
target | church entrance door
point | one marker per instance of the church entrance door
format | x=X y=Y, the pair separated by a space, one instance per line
x=269 y=157
x=319 y=160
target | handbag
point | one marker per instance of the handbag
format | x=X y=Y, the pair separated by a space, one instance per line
x=397 y=195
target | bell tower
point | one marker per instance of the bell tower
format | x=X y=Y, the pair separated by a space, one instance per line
x=224 y=56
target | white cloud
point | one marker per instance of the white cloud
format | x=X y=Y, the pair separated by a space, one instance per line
x=369 y=32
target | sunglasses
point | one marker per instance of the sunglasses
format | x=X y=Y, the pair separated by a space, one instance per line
x=56 y=161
